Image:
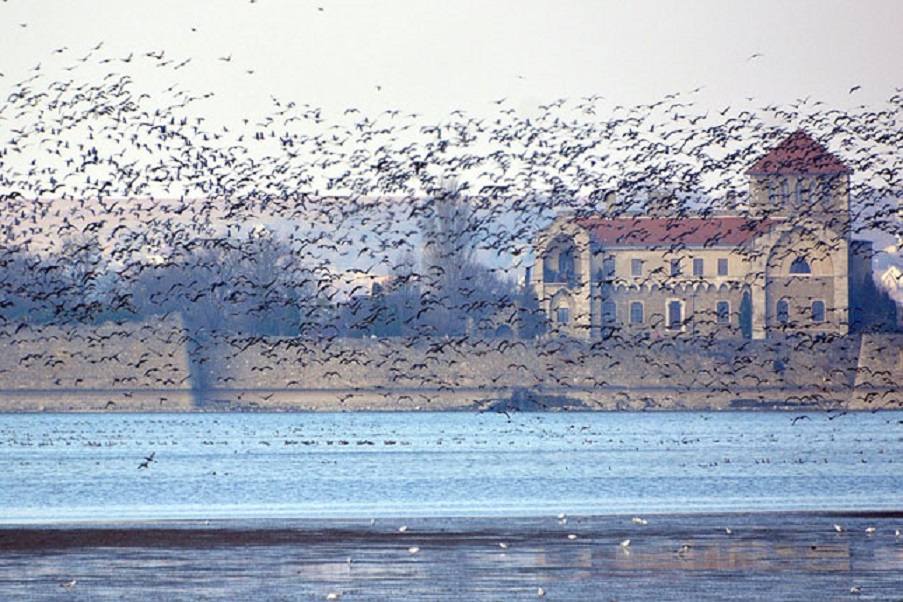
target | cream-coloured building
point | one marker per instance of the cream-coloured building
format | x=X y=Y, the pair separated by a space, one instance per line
x=783 y=266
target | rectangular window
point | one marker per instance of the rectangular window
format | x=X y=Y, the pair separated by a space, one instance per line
x=636 y=267
x=636 y=312
x=675 y=267
x=698 y=267
x=675 y=315
x=561 y=315
x=818 y=311
x=772 y=194
x=723 y=312
x=803 y=193
x=826 y=193
x=783 y=312
x=608 y=267
x=722 y=266
x=609 y=312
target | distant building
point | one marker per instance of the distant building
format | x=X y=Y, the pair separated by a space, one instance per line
x=782 y=266
x=892 y=282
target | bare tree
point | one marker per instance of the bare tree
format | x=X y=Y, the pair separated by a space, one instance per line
x=459 y=295
x=448 y=266
x=249 y=286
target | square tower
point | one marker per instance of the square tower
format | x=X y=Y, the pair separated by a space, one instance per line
x=800 y=180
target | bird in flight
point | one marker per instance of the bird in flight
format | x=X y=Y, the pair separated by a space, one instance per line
x=147 y=461
x=69 y=585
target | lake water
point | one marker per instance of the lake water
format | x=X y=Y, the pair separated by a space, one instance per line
x=85 y=467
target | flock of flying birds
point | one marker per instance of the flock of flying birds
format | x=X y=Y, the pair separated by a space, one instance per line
x=148 y=179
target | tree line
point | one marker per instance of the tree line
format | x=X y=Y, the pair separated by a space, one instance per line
x=259 y=284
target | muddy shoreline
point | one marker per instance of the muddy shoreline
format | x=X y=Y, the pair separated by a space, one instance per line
x=786 y=556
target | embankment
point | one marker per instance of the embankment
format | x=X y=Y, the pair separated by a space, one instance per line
x=156 y=366
x=129 y=366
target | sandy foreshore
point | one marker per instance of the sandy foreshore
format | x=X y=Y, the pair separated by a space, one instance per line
x=761 y=556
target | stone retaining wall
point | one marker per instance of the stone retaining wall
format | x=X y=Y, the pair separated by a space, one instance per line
x=133 y=366
x=156 y=366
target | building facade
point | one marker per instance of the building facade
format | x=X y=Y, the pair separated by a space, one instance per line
x=783 y=266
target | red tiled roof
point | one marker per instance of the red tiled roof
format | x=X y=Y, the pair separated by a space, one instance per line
x=798 y=154
x=690 y=231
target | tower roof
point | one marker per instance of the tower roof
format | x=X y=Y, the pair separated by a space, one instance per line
x=798 y=154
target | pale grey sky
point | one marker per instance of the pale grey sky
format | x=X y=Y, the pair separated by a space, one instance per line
x=433 y=57
x=430 y=58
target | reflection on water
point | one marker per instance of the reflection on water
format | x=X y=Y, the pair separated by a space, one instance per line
x=764 y=556
x=88 y=467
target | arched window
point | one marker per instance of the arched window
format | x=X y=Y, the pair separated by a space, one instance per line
x=559 y=263
x=566 y=264
x=800 y=266
x=746 y=311
x=503 y=331
x=818 y=311
x=783 y=312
